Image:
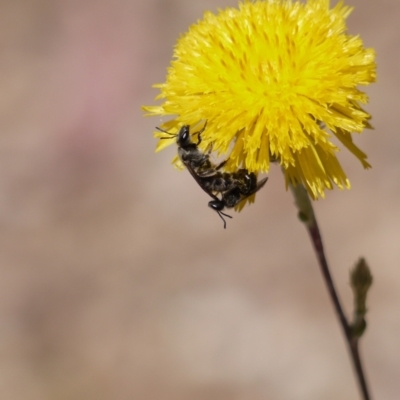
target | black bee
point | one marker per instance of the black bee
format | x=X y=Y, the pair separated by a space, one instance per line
x=234 y=187
x=195 y=160
x=221 y=182
x=246 y=185
x=198 y=163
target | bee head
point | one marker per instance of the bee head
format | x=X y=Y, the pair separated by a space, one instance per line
x=218 y=205
x=183 y=138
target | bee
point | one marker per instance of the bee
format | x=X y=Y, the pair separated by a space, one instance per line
x=233 y=187
x=194 y=159
x=246 y=185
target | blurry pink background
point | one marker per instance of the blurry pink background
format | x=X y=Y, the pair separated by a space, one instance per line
x=118 y=282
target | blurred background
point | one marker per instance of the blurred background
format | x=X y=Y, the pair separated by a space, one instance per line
x=117 y=281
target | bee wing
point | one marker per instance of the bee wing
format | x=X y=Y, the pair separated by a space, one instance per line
x=260 y=184
x=207 y=173
x=199 y=181
x=250 y=198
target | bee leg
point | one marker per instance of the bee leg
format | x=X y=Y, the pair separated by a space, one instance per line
x=220 y=165
x=199 y=134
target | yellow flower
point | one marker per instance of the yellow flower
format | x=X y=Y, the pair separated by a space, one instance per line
x=275 y=80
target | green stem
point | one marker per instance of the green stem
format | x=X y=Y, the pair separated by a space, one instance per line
x=307 y=216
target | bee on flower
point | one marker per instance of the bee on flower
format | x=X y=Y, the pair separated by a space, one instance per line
x=275 y=80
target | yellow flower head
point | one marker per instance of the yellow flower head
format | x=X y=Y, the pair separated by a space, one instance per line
x=274 y=80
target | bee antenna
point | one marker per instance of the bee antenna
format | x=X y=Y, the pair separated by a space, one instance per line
x=225 y=215
x=168 y=133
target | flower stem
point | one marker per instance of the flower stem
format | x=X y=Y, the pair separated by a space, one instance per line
x=307 y=216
